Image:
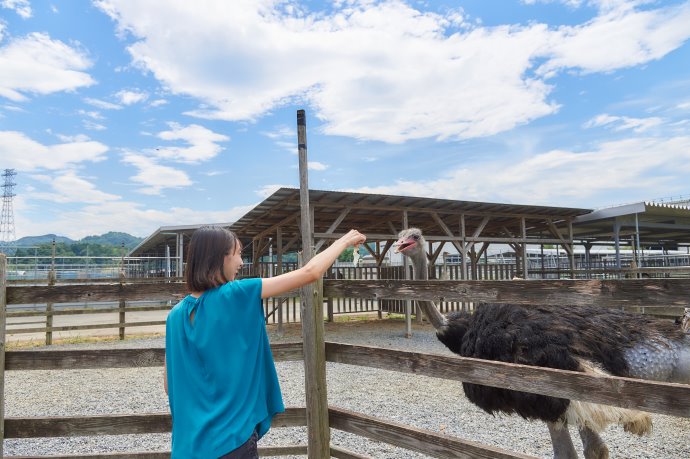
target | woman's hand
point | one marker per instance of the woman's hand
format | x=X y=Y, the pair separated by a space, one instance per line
x=353 y=238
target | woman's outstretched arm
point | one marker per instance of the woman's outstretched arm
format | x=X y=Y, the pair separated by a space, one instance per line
x=313 y=270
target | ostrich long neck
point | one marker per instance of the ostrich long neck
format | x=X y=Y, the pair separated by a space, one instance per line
x=421 y=272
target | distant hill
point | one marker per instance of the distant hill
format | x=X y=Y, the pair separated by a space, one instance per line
x=29 y=241
x=112 y=238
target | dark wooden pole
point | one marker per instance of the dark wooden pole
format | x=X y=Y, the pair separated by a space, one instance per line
x=318 y=431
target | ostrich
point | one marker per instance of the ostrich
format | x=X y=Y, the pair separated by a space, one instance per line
x=587 y=339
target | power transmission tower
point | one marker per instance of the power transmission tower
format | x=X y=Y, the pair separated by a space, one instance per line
x=7 y=235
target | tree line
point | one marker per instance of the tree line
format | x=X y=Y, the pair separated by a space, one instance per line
x=77 y=249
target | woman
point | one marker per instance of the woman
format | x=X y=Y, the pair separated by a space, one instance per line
x=219 y=372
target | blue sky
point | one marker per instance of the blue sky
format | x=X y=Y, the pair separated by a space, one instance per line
x=127 y=115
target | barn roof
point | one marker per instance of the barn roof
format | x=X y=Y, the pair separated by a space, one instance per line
x=381 y=216
x=658 y=224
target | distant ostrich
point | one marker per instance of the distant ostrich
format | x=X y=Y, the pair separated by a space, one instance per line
x=587 y=339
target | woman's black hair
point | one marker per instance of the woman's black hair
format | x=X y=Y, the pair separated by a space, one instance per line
x=205 y=257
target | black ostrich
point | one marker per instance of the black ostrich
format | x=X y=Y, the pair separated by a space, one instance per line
x=587 y=339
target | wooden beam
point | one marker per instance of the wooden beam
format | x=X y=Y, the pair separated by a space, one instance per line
x=114 y=358
x=474 y=238
x=118 y=424
x=648 y=293
x=92 y=293
x=385 y=250
x=333 y=226
x=447 y=230
x=436 y=253
x=423 y=441
x=656 y=397
x=450 y=212
x=272 y=228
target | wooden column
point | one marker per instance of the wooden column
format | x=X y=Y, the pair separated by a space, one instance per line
x=122 y=305
x=279 y=248
x=52 y=279
x=3 y=318
x=311 y=306
x=49 y=310
x=525 y=258
x=571 y=252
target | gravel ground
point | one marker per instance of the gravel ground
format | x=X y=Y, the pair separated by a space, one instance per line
x=427 y=403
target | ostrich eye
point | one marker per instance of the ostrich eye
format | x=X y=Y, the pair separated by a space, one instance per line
x=415 y=237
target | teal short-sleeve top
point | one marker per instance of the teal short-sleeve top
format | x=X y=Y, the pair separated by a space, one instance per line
x=222 y=382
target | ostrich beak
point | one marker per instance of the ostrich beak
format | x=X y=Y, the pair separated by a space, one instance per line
x=403 y=245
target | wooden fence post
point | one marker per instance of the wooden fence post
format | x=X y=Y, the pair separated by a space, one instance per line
x=49 y=311
x=329 y=306
x=318 y=430
x=122 y=309
x=3 y=311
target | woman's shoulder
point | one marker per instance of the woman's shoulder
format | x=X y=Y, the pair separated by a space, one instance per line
x=247 y=286
x=182 y=304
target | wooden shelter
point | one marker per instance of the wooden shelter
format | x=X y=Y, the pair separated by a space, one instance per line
x=274 y=224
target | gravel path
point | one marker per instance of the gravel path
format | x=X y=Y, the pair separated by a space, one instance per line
x=428 y=403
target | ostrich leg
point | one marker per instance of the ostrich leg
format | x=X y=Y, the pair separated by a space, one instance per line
x=594 y=446
x=562 y=443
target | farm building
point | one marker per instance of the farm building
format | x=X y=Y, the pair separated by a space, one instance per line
x=540 y=241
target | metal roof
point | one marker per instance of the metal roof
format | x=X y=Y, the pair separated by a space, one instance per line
x=657 y=223
x=381 y=216
x=154 y=245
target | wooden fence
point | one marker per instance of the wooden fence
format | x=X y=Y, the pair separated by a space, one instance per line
x=671 y=399
x=37 y=313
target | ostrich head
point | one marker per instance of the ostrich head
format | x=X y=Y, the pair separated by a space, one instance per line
x=411 y=244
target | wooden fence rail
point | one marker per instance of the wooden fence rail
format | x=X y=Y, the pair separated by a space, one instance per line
x=605 y=293
x=610 y=293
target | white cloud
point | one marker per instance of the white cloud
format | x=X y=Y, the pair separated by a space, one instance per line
x=128 y=97
x=39 y=65
x=267 y=190
x=131 y=217
x=155 y=177
x=25 y=154
x=566 y=177
x=102 y=104
x=280 y=132
x=21 y=7
x=69 y=188
x=91 y=126
x=202 y=143
x=73 y=138
x=382 y=70
x=91 y=114
x=620 y=37
x=623 y=123
x=317 y=166
x=158 y=102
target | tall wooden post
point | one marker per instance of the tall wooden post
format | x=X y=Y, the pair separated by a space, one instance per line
x=279 y=245
x=311 y=306
x=3 y=315
x=52 y=279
